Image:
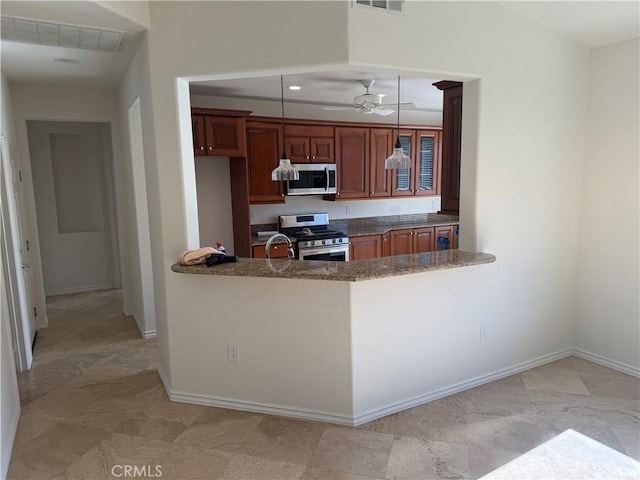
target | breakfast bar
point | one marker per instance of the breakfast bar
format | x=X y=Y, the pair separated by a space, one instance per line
x=341 y=342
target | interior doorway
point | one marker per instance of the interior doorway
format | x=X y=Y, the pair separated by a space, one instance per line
x=75 y=208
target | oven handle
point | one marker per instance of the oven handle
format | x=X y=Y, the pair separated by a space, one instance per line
x=326 y=172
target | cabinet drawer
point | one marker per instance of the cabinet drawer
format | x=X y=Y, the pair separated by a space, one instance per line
x=278 y=250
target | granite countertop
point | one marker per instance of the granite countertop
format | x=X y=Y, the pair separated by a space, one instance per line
x=342 y=271
x=358 y=227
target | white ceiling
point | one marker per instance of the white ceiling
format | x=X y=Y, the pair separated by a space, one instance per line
x=337 y=87
x=26 y=62
x=591 y=24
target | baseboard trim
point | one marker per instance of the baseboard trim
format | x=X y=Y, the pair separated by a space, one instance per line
x=213 y=401
x=127 y=312
x=149 y=334
x=93 y=288
x=460 y=387
x=607 y=362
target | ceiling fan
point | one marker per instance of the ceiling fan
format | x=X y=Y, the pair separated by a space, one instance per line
x=370 y=102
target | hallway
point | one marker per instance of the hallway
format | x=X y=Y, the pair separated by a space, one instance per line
x=93 y=402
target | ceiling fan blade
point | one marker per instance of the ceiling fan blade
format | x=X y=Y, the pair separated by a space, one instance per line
x=382 y=111
x=337 y=108
x=402 y=105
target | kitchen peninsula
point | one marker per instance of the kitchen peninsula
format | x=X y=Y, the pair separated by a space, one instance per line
x=342 y=342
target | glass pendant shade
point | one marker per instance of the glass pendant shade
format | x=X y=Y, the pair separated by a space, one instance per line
x=398 y=159
x=285 y=171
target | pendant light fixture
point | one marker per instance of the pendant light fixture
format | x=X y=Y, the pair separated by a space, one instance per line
x=398 y=159
x=285 y=170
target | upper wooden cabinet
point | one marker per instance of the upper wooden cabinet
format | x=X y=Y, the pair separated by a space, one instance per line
x=423 y=147
x=381 y=147
x=264 y=148
x=218 y=132
x=352 y=162
x=451 y=146
x=306 y=143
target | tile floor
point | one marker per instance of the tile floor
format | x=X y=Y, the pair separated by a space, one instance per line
x=93 y=403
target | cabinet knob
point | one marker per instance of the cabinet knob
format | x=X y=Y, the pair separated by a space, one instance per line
x=372 y=192
x=210 y=148
x=308 y=157
x=282 y=194
x=313 y=158
x=201 y=148
x=337 y=194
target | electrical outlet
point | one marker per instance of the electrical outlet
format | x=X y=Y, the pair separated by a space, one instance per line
x=234 y=353
x=484 y=331
x=348 y=209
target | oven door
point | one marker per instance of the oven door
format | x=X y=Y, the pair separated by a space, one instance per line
x=339 y=253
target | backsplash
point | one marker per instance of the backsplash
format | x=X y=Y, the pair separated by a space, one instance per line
x=268 y=214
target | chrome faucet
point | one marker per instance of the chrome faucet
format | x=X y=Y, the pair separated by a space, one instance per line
x=267 y=247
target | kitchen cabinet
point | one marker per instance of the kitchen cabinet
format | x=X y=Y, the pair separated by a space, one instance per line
x=451 y=146
x=382 y=141
x=264 y=148
x=423 y=147
x=218 y=132
x=352 y=162
x=411 y=240
x=362 y=248
x=386 y=244
x=307 y=143
x=278 y=250
x=447 y=231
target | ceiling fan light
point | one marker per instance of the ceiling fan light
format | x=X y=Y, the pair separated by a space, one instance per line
x=285 y=171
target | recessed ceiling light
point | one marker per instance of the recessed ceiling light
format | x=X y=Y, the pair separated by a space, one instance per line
x=295 y=87
x=65 y=60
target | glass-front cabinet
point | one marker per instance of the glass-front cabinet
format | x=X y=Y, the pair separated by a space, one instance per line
x=422 y=146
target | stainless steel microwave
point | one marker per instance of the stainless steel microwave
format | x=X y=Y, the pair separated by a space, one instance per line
x=315 y=179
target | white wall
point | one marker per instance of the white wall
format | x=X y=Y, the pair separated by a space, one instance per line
x=533 y=92
x=39 y=102
x=213 y=184
x=9 y=397
x=607 y=310
x=134 y=106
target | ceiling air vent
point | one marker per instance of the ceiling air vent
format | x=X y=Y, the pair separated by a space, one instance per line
x=61 y=35
x=380 y=5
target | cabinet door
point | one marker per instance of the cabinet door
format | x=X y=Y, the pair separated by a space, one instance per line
x=297 y=149
x=322 y=150
x=451 y=150
x=447 y=231
x=278 y=250
x=423 y=240
x=197 y=130
x=225 y=136
x=427 y=162
x=386 y=244
x=361 y=248
x=401 y=241
x=352 y=162
x=264 y=146
x=381 y=147
x=403 y=177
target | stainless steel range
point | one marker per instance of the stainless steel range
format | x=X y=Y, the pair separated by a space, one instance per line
x=315 y=241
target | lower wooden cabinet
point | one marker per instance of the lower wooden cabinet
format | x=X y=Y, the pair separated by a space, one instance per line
x=411 y=240
x=278 y=250
x=447 y=231
x=362 y=248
